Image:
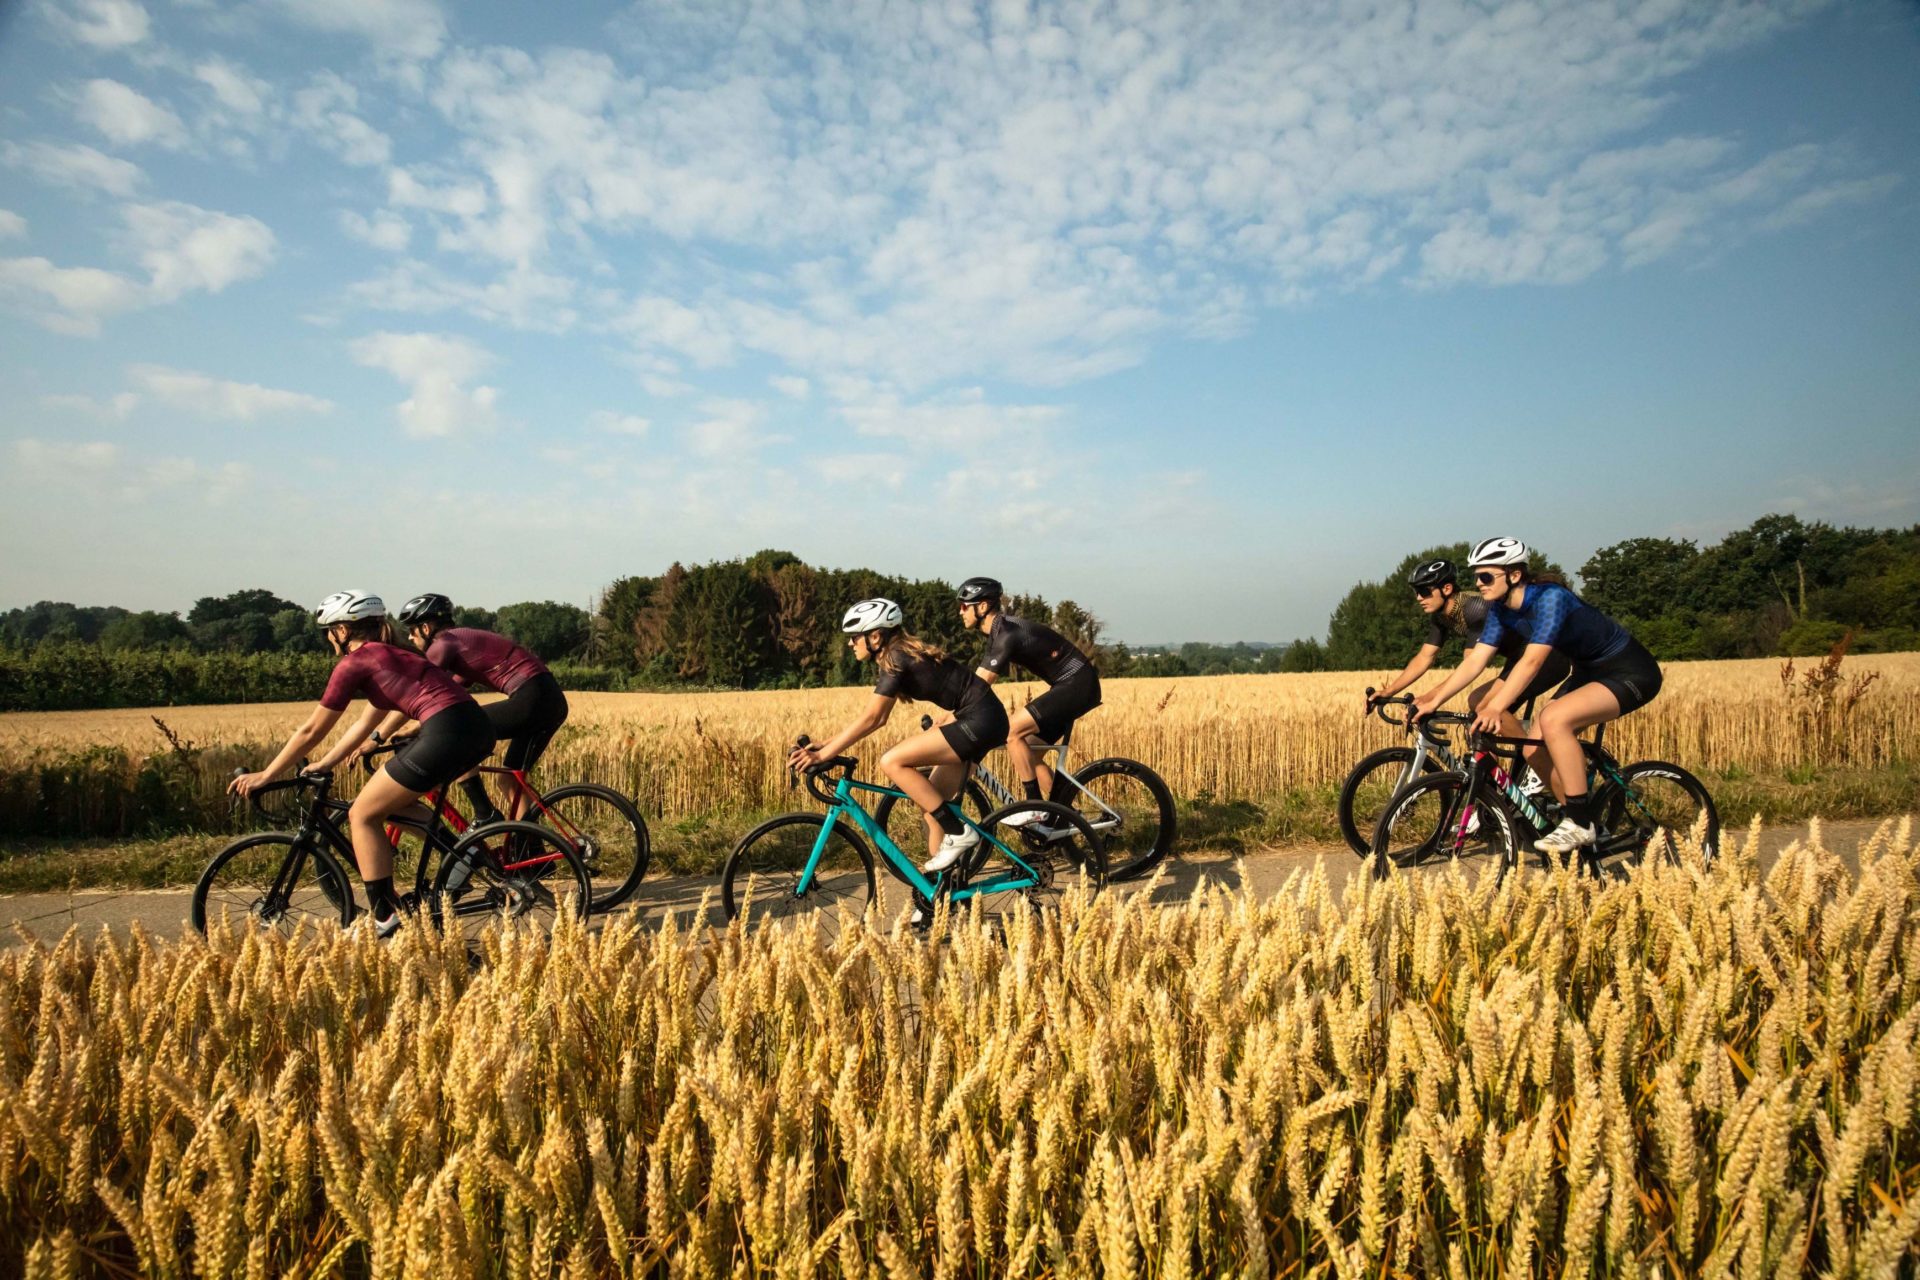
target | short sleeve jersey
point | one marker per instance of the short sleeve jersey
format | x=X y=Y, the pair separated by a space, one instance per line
x=1473 y=621
x=941 y=681
x=1040 y=649
x=476 y=657
x=392 y=679
x=1552 y=615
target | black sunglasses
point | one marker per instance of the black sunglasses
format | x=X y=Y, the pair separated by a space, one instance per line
x=1424 y=592
x=1485 y=578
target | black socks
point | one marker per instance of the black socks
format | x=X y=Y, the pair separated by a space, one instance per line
x=483 y=810
x=1031 y=788
x=1580 y=808
x=380 y=897
x=949 y=821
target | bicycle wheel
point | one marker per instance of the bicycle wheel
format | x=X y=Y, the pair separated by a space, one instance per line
x=1370 y=784
x=1652 y=807
x=275 y=880
x=1130 y=809
x=763 y=872
x=1434 y=818
x=1033 y=862
x=517 y=871
x=906 y=825
x=607 y=831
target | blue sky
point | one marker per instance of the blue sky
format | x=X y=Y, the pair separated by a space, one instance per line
x=1193 y=313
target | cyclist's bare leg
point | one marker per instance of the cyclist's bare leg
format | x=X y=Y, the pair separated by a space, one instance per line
x=379 y=800
x=1560 y=724
x=928 y=750
x=1511 y=727
x=1026 y=761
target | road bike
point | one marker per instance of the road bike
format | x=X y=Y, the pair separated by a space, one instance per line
x=281 y=878
x=1126 y=803
x=605 y=829
x=1380 y=776
x=804 y=862
x=1640 y=809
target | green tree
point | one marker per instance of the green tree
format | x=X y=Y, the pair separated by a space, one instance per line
x=145 y=630
x=1638 y=578
x=551 y=629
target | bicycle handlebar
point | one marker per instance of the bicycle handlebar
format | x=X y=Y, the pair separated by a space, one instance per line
x=813 y=773
x=391 y=744
x=321 y=780
x=1380 y=706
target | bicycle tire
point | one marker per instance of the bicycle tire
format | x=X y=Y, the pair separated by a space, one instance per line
x=910 y=836
x=232 y=881
x=1415 y=826
x=609 y=833
x=541 y=880
x=1358 y=828
x=1132 y=847
x=1657 y=825
x=762 y=875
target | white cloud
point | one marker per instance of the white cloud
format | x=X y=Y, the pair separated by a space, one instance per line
x=236 y=89
x=436 y=368
x=70 y=300
x=523 y=298
x=860 y=470
x=730 y=430
x=12 y=225
x=792 y=388
x=217 y=398
x=395 y=28
x=618 y=424
x=128 y=117
x=105 y=24
x=186 y=248
x=387 y=231
x=60 y=458
x=115 y=409
x=327 y=109
x=74 y=166
x=958 y=420
x=657 y=323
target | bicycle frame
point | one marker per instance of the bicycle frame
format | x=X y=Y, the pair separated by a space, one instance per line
x=903 y=866
x=1002 y=795
x=443 y=812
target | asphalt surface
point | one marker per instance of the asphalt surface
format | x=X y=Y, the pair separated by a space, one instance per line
x=46 y=916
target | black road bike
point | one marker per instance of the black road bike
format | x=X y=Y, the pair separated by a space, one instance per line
x=1640 y=809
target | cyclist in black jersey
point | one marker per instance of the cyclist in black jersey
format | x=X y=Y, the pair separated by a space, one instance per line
x=1073 y=685
x=1437 y=588
x=911 y=668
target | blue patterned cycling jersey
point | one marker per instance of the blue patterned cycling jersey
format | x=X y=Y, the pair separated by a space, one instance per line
x=1551 y=614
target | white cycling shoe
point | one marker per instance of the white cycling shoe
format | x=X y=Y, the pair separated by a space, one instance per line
x=1024 y=818
x=952 y=849
x=1565 y=838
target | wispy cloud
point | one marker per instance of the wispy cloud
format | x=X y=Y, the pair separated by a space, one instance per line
x=219 y=398
x=436 y=368
x=75 y=166
x=103 y=24
x=127 y=117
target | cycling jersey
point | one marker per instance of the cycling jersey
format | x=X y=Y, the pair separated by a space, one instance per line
x=476 y=657
x=1040 y=649
x=941 y=681
x=392 y=679
x=1473 y=620
x=1552 y=615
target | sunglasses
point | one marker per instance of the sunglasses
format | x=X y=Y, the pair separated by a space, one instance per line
x=1488 y=579
x=1424 y=592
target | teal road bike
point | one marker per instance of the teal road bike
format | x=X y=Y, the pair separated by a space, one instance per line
x=800 y=863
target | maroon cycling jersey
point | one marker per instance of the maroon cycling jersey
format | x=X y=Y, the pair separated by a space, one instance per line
x=392 y=679
x=480 y=657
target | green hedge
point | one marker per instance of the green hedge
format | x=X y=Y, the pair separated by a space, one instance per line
x=83 y=677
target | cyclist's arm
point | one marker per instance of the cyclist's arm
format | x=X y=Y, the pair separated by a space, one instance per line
x=872 y=718
x=1417 y=666
x=987 y=674
x=1466 y=673
x=349 y=744
x=314 y=730
x=1505 y=690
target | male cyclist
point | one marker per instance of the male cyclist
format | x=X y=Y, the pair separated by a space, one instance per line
x=1073 y=685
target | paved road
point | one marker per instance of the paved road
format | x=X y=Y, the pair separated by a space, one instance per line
x=164 y=911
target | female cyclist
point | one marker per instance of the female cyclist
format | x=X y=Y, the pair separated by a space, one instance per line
x=534 y=708
x=455 y=735
x=1437 y=588
x=911 y=668
x=1073 y=685
x=1612 y=673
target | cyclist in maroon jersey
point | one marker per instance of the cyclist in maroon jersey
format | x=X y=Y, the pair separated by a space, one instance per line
x=455 y=734
x=534 y=708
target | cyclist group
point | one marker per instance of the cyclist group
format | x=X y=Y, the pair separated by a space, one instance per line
x=1549 y=640
x=430 y=684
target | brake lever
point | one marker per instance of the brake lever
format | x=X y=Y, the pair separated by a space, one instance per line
x=793 y=774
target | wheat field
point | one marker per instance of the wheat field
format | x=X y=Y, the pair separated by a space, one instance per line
x=1695 y=1070
x=688 y=755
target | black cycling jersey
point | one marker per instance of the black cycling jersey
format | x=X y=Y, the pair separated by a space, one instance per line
x=1040 y=649
x=1473 y=617
x=941 y=681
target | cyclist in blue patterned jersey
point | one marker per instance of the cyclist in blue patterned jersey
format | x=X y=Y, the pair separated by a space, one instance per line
x=1613 y=674
x=1073 y=685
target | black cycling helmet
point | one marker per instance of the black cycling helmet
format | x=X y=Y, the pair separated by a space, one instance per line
x=1434 y=573
x=431 y=607
x=974 y=590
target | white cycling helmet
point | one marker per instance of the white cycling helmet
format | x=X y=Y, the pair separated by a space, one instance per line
x=349 y=606
x=1498 y=551
x=871 y=615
